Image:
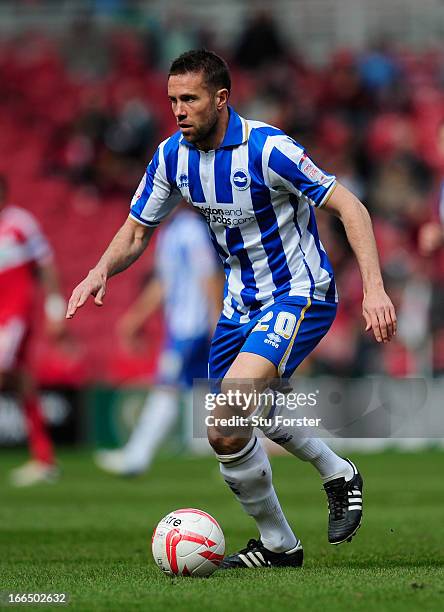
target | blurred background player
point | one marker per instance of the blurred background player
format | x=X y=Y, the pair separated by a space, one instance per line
x=431 y=233
x=431 y=243
x=25 y=259
x=188 y=282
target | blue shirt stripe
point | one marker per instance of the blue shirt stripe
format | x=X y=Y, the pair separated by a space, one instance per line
x=236 y=247
x=222 y=173
x=313 y=229
x=295 y=205
x=195 y=185
x=170 y=155
x=266 y=218
x=330 y=295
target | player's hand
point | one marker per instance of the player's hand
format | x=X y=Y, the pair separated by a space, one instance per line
x=379 y=314
x=430 y=238
x=94 y=284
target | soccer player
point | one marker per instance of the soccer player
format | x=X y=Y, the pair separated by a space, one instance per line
x=25 y=254
x=431 y=234
x=431 y=245
x=187 y=282
x=257 y=189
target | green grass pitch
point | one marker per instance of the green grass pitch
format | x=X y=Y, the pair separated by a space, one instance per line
x=90 y=536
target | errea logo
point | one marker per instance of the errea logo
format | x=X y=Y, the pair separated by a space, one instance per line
x=240 y=179
x=183 y=181
x=273 y=339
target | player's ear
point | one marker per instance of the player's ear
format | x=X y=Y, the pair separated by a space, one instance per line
x=221 y=98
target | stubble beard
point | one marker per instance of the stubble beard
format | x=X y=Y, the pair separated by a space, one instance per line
x=206 y=133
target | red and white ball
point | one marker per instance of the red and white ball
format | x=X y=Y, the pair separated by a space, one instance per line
x=188 y=542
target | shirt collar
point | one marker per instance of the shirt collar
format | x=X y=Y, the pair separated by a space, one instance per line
x=235 y=135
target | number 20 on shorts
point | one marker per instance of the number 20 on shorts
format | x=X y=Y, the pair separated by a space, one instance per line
x=283 y=326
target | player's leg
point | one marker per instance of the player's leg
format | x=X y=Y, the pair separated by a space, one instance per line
x=180 y=362
x=40 y=443
x=156 y=420
x=341 y=479
x=13 y=345
x=301 y=324
x=246 y=469
x=41 y=467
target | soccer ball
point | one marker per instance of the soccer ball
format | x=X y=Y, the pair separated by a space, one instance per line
x=188 y=542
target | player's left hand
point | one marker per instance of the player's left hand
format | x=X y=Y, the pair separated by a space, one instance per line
x=379 y=314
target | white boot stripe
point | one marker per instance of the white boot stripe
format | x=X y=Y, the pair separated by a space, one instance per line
x=355 y=507
x=254 y=559
x=261 y=557
x=246 y=560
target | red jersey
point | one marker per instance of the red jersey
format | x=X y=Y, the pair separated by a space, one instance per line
x=22 y=245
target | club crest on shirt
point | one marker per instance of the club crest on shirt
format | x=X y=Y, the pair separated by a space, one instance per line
x=240 y=179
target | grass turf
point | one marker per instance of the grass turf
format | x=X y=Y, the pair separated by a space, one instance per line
x=90 y=536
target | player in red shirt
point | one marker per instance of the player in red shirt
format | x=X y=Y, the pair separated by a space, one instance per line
x=25 y=259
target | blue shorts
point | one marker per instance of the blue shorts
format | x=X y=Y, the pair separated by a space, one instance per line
x=181 y=361
x=284 y=333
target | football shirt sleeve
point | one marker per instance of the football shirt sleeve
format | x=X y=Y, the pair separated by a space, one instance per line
x=156 y=195
x=35 y=244
x=291 y=169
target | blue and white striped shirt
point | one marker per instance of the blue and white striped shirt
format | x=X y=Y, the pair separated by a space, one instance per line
x=256 y=192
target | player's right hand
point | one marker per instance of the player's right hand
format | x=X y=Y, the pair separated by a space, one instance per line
x=94 y=284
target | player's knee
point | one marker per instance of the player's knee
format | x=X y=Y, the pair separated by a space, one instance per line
x=229 y=389
x=225 y=444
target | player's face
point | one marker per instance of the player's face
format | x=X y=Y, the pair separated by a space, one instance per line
x=194 y=106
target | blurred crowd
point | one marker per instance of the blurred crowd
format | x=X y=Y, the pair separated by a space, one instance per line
x=81 y=114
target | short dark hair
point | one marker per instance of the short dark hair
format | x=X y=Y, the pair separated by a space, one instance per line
x=214 y=68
